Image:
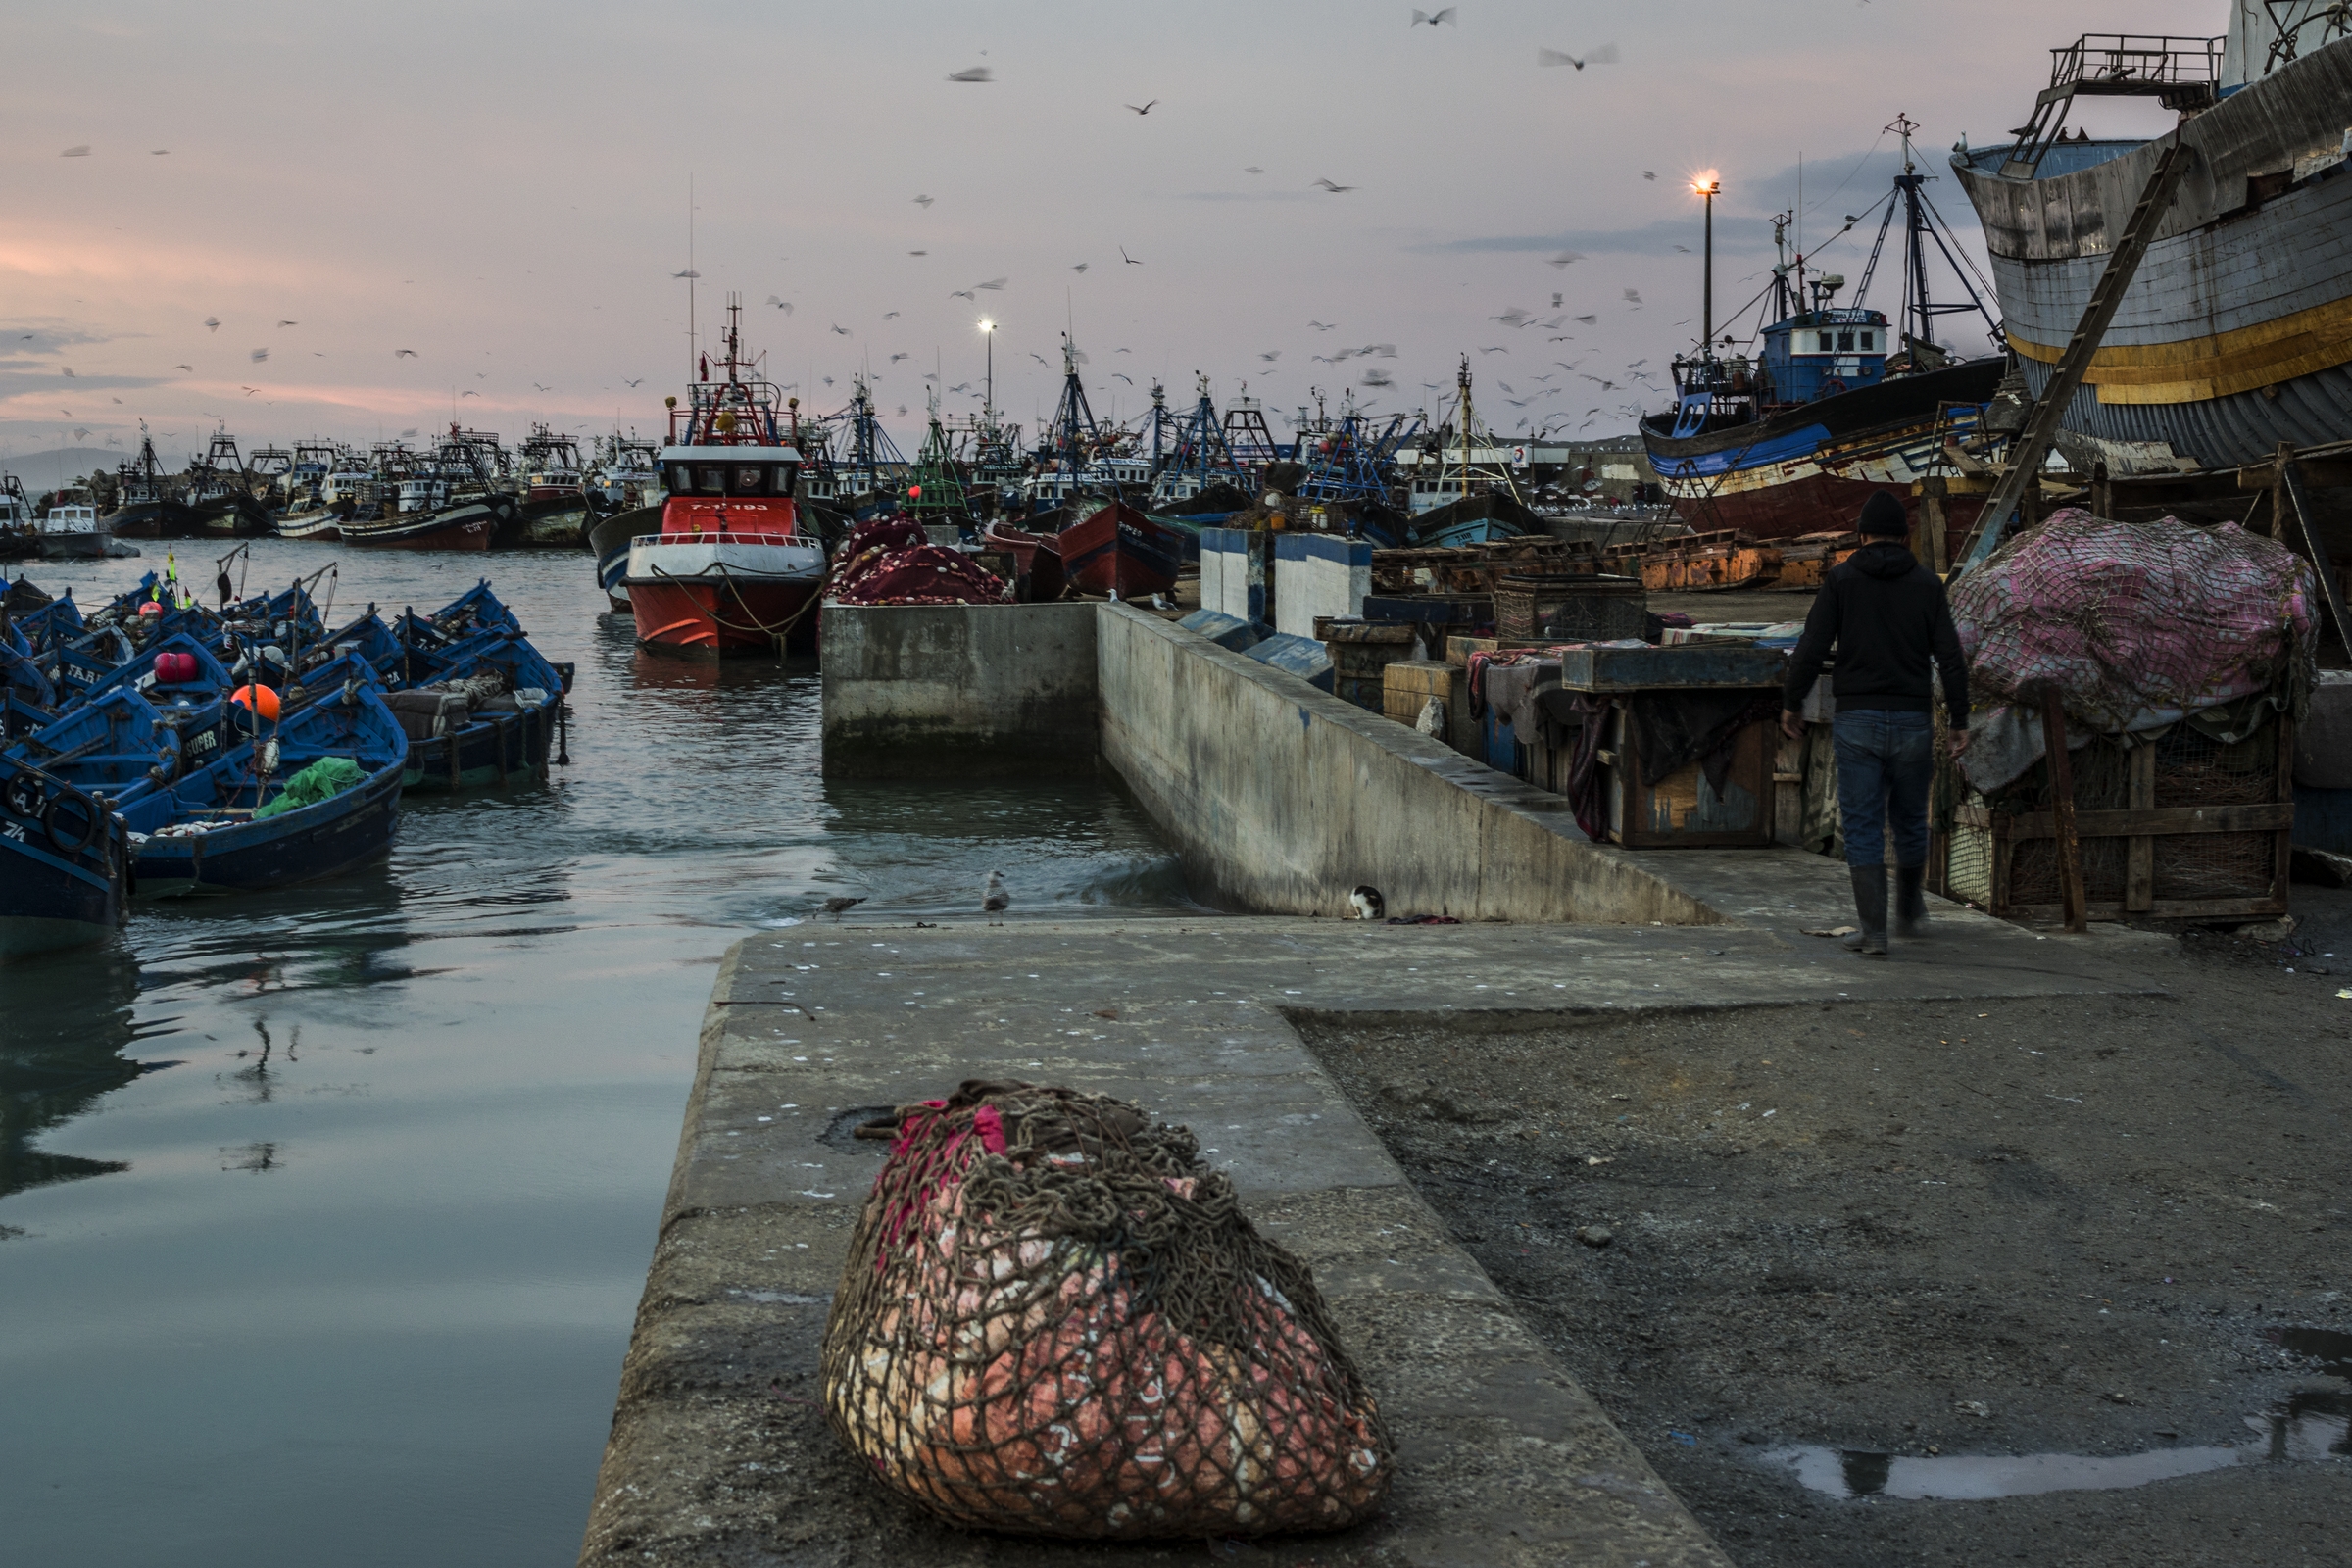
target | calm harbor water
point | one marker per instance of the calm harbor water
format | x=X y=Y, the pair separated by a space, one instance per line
x=323 y=1215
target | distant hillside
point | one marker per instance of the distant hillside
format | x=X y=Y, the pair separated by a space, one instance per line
x=46 y=470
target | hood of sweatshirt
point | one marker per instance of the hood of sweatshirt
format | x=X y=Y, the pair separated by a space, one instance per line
x=1886 y=560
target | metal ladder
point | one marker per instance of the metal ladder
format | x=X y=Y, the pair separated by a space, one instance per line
x=2034 y=444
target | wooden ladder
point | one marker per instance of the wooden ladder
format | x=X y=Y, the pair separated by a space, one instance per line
x=2034 y=445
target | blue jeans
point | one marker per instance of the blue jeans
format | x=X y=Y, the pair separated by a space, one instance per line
x=1885 y=761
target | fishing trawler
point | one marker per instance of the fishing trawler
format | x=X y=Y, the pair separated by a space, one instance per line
x=2236 y=334
x=1839 y=403
x=729 y=572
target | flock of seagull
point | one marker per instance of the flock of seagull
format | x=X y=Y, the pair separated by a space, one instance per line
x=1371 y=377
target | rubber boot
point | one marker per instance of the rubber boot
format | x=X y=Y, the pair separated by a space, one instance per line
x=1910 y=901
x=1870 y=910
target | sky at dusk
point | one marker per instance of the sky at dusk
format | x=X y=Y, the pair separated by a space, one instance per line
x=501 y=190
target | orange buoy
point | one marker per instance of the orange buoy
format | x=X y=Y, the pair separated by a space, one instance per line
x=261 y=699
x=150 y=609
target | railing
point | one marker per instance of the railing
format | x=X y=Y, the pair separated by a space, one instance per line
x=2122 y=61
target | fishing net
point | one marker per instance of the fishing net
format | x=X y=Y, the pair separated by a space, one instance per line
x=918 y=574
x=1056 y=1320
x=2136 y=624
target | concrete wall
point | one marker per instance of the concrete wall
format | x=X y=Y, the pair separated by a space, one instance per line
x=1318 y=574
x=917 y=690
x=1281 y=800
x=1233 y=574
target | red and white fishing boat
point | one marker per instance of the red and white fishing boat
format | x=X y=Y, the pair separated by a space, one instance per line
x=730 y=572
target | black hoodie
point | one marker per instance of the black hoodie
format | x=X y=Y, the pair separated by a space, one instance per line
x=1887 y=615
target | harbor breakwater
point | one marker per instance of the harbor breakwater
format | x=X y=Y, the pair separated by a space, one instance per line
x=1278 y=797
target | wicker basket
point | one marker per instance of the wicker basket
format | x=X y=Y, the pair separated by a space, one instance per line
x=1570 y=609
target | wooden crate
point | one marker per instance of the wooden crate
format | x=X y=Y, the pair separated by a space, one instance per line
x=1681 y=810
x=1360 y=654
x=2186 y=843
x=1408 y=683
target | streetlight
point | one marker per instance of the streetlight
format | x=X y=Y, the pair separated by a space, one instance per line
x=1709 y=188
x=988 y=405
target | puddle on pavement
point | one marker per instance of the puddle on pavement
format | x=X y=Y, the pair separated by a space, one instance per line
x=2313 y=1425
x=2331 y=1348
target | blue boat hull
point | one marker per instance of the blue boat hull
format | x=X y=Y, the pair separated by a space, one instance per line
x=55 y=894
x=48 y=902
x=314 y=841
x=490 y=751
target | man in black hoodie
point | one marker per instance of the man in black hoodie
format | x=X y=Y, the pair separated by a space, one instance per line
x=1887 y=615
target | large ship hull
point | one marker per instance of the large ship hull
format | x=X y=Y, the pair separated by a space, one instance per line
x=156 y=519
x=461 y=527
x=1810 y=469
x=719 y=596
x=2236 y=332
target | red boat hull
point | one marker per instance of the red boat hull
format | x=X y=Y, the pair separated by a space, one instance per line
x=1036 y=558
x=1121 y=551
x=716 y=619
x=1818 y=503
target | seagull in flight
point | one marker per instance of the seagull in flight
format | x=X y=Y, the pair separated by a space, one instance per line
x=994 y=282
x=1271 y=358
x=190 y=369
x=536 y=387
x=1605 y=55
x=1684 y=248
x=1433 y=17
x=1129 y=259
x=1322 y=327
x=924 y=201
x=470 y=393
x=1565 y=258
x=211 y=323
x=973 y=74
x=782 y=305
x=289 y=324
x=1253 y=170
x=1336 y=190
x=403 y=353
x=896 y=358
x=689 y=273
x=1649 y=174
x=1116 y=376
x=1081 y=267
x=843 y=330
x=1147 y=109
x=963 y=294
x=889 y=316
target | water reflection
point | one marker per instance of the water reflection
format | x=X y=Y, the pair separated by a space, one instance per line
x=2315 y=1424
x=378 y=1233
x=55 y=1065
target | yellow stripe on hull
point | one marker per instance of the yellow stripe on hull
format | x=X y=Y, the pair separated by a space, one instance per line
x=2195 y=370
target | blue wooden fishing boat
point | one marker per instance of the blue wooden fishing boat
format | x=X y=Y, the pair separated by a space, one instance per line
x=64 y=872
x=499 y=733
x=232 y=826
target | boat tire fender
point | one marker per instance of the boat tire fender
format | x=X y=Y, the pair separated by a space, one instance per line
x=25 y=795
x=91 y=822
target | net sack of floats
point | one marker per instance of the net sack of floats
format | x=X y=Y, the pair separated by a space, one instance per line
x=1056 y=1320
x=2135 y=623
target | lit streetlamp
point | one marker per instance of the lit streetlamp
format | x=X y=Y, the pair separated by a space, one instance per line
x=1709 y=188
x=988 y=330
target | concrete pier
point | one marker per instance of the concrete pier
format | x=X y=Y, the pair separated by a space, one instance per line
x=719 y=1452
x=1280 y=798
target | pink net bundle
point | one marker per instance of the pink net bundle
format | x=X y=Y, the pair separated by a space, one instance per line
x=914 y=574
x=2135 y=625
x=1056 y=1320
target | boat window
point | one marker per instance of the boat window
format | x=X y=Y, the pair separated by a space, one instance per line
x=749 y=480
x=1824 y=342
x=681 y=478
x=1867 y=341
x=1846 y=342
x=786 y=475
x=714 y=481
